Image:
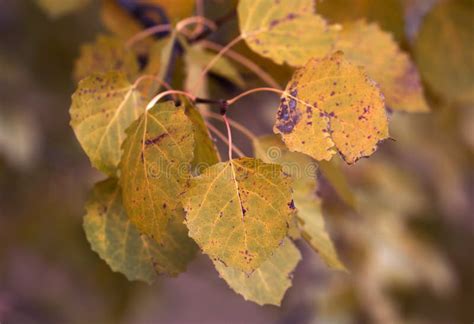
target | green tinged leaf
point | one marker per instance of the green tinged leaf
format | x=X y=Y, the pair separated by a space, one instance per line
x=304 y=171
x=103 y=106
x=331 y=104
x=331 y=171
x=58 y=8
x=106 y=54
x=120 y=244
x=268 y=283
x=200 y=58
x=444 y=50
x=285 y=31
x=367 y=45
x=113 y=237
x=238 y=211
x=205 y=153
x=155 y=167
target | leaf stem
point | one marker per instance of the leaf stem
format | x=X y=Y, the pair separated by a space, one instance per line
x=219 y=134
x=244 y=130
x=198 y=84
x=161 y=95
x=244 y=61
x=229 y=135
x=147 y=32
x=199 y=20
x=248 y=92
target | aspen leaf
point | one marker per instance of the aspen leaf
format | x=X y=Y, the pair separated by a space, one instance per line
x=196 y=56
x=120 y=244
x=444 y=50
x=331 y=104
x=268 y=283
x=285 y=31
x=238 y=211
x=175 y=10
x=205 y=153
x=106 y=54
x=118 y=20
x=155 y=167
x=331 y=171
x=113 y=237
x=58 y=8
x=103 y=106
x=367 y=45
x=303 y=170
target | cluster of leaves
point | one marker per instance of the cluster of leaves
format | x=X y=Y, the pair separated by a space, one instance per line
x=169 y=194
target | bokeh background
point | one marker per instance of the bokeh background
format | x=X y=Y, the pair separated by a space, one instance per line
x=409 y=248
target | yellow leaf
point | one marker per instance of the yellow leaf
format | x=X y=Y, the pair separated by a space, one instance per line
x=331 y=104
x=367 y=45
x=155 y=167
x=113 y=237
x=267 y=284
x=103 y=106
x=58 y=8
x=305 y=185
x=106 y=54
x=238 y=211
x=285 y=31
x=445 y=50
x=118 y=20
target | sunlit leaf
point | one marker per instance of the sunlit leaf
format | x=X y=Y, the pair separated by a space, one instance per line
x=205 y=153
x=268 y=283
x=367 y=45
x=445 y=50
x=103 y=106
x=113 y=237
x=303 y=170
x=155 y=167
x=285 y=31
x=388 y=13
x=106 y=54
x=58 y=8
x=331 y=104
x=238 y=211
x=196 y=56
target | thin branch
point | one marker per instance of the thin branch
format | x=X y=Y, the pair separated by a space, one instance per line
x=239 y=58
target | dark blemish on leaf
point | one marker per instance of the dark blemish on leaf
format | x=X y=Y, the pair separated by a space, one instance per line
x=332 y=93
x=156 y=139
x=288 y=115
x=291 y=205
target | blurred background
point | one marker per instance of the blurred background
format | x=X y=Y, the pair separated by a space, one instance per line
x=409 y=248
